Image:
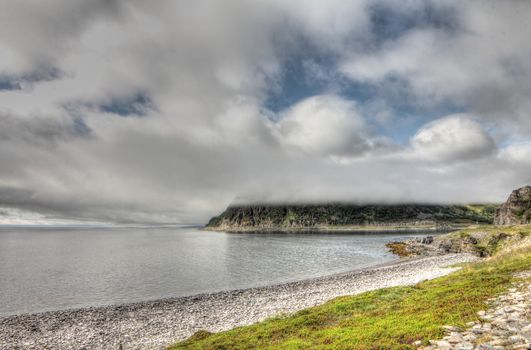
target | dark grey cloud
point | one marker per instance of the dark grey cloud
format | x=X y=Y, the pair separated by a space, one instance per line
x=38 y=33
x=40 y=131
x=389 y=20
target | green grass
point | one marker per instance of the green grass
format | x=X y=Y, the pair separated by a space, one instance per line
x=485 y=210
x=391 y=318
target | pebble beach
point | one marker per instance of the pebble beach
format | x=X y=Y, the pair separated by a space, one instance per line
x=160 y=323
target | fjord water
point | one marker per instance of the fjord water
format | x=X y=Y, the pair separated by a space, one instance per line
x=58 y=268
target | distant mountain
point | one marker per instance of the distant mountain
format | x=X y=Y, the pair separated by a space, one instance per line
x=322 y=216
x=517 y=209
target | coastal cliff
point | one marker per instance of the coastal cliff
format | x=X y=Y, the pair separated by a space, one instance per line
x=516 y=210
x=326 y=216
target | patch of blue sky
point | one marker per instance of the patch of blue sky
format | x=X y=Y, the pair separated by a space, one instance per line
x=133 y=105
x=298 y=82
x=7 y=83
x=80 y=126
x=308 y=71
x=17 y=82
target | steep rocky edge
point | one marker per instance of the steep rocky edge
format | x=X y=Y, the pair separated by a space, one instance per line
x=348 y=216
x=516 y=210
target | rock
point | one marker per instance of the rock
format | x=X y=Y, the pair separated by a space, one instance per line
x=515 y=339
x=465 y=346
x=526 y=332
x=498 y=342
x=443 y=345
x=478 y=236
x=427 y=240
x=470 y=337
x=454 y=338
x=451 y=328
x=516 y=210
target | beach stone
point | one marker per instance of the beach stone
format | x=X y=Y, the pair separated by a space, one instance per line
x=470 y=337
x=498 y=342
x=443 y=345
x=515 y=339
x=464 y=346
x=454 y=338
x=451 y=328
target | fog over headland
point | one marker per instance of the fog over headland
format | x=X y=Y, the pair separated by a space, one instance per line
x=167 y=111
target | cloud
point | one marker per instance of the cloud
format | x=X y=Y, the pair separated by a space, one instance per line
x=43 y=131
x=35 y=34
x=324 y=125
x=201 y=74
x=454 y=137
x=481 y=63
x=518 y=153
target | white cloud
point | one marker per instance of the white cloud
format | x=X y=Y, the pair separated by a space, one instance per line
x=519 y=153
x=454 y=137
x=324 y=125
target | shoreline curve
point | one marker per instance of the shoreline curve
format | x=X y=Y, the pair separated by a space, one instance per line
x=159 y=323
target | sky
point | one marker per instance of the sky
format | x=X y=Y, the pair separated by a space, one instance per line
x=128 y=111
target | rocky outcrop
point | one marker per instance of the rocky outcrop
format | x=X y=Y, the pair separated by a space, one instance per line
x=286 y=217
x=482 y=241
x=517 y=209
x=478 y=243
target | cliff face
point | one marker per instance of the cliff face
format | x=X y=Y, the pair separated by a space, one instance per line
x=517 y=209
x=264 y=217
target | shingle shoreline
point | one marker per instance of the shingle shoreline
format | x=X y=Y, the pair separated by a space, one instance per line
x=157 y=324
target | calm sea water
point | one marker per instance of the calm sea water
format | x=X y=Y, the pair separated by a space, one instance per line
x=51 y=269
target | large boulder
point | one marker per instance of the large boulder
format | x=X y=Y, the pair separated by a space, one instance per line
x=517 y=209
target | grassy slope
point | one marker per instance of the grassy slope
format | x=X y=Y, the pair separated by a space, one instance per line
x=486 y=210
x=390 y=318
